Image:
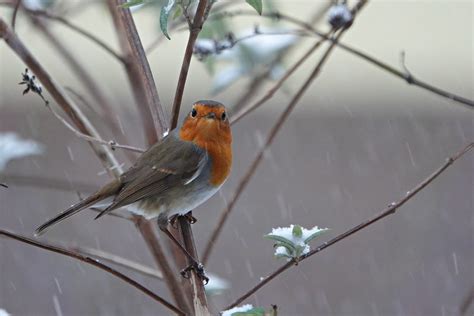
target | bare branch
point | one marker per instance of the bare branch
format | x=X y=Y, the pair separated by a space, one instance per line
x=92 y=262
x=146 y=97
x=391 y=209
x=183 y=74
x=137 y=59
x=73 y=27
x=197 y=290
x=269 y=94
x=68 y=106
x=48 y=183
x=111 y=144
x=271 y=136
x=146 y=230
x=120 y=261
x=392 y=70
x=15 y=13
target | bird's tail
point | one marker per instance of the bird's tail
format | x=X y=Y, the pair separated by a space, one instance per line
x=108 y=190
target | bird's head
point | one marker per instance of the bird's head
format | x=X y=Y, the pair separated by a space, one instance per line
x=207 y=122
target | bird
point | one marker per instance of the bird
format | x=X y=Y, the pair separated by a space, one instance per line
x=175 y=175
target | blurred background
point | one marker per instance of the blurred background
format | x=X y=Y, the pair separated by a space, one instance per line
x=359 y=139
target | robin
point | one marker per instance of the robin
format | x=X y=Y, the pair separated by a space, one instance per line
x=174 y=176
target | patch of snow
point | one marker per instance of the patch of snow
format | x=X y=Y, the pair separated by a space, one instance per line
x=13 y=147
x=241 y=309
x=3 y=312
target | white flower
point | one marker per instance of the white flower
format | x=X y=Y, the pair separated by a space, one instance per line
x=241 y=309
x=12 y=147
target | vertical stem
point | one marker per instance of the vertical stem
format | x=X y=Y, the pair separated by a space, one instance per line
x=183 y=74
x=197 y=286
x=139 y=73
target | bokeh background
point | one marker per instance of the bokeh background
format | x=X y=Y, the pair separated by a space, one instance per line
x=358 y=140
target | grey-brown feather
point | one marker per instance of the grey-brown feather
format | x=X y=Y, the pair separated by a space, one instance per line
x=170 y=163
x=163 y=169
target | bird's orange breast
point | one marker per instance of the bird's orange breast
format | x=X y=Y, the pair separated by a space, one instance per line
x=216 y=139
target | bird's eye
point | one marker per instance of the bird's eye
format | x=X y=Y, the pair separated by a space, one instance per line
x=194 y=113
x=223 y=116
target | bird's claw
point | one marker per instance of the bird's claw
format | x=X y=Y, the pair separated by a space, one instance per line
x=198 y=268
x=173 y=220
x=189 y=216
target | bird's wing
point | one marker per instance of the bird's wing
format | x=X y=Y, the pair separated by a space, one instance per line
x=166 y=164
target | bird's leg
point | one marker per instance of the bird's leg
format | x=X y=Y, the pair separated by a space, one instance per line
x=173 y=220
x=194 y=264
x=189 y=216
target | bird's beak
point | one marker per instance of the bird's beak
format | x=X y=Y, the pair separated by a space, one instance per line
x=211 y=115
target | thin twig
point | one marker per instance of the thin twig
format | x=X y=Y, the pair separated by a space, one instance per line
x=271 y=136
x=392 y=70
x=113 y=123
x=391 y=209
x=466 y=302
x=15 y=13
x=4 y=185
x=74 y=28
x=48 y=183
x=183 y=74
x=269 y=94
x=254 y=85
x=120 y=261
x=89 y=81
x=66 y=103
x=92 y=262
x=111 y=144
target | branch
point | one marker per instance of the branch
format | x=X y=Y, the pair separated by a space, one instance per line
x=146 y=97
x=146 y=230
x=82 y=74
x=392 y=70
x=391 y=209
x=94 y=263
x=246 y=110
x=120 y=261
x=197 y=290
x=137 y=59
x=75 y=28
x=48 y=183
x=68 y=106
x=104 y=154
x=15 y=13
x=271 y=136
x=183 y=74
x=111 y=144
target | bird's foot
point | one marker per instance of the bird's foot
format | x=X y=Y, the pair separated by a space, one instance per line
x=198 y=268
x=189 y=216
x=173 y=220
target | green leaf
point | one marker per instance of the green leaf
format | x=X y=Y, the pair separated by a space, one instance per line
x=177 y=13
x=164 y=15
x=132 y=3
x=256 y=4
x=316 y=234
x=257 y=311
x=297 y=231
x=282 y=240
